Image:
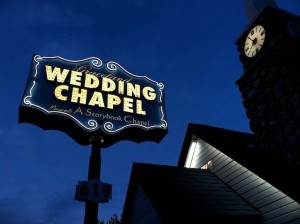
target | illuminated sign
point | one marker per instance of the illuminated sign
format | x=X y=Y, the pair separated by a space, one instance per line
x=88 y=96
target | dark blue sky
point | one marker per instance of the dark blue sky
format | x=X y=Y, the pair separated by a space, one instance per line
x=187 y=45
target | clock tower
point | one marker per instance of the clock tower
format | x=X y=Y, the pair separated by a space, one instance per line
x=269 y=50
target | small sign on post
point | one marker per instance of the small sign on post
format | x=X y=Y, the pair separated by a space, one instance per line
x=93 y=191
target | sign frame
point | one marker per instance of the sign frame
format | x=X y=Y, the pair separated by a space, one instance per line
x=32 y=111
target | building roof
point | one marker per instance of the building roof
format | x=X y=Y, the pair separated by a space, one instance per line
x=180 y=195
x=240 y=147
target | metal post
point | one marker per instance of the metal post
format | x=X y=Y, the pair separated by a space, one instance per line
x=91 y=208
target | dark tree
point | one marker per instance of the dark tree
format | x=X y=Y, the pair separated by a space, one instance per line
x=113 y=220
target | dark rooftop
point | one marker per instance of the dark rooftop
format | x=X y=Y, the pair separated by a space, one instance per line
x=180 y=195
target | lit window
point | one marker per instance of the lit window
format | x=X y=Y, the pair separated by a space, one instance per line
x=208 y=165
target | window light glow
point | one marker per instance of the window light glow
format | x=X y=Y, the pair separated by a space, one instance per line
x=194 y=149
x=207 y=165
x=189 y=158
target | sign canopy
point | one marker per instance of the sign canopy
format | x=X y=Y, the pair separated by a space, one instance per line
x=88 y=97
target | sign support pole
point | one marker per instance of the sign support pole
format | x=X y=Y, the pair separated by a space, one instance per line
x=91 y=208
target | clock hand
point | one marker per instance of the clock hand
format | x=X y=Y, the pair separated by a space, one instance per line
x=250 y=39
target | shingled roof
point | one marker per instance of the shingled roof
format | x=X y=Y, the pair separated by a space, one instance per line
x=183 y=195
x=240 y=147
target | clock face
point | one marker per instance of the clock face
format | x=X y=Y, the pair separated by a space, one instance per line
x=254 y=41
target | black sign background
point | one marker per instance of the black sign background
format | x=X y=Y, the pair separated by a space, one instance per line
x=39 y=105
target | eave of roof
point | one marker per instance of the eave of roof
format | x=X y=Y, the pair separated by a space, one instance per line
x=240 y=147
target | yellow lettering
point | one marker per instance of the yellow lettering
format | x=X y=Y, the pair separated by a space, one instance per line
x=56 y=73
x=139 y=109
x=112 y=100
x=97 y=99
x=108 y=85
x=58 y=92
x=76 y=78
x=135 y=90
x=91 y=81
x=77 y=94
x=149 y=93
x=128 y=105
x=121 y=87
